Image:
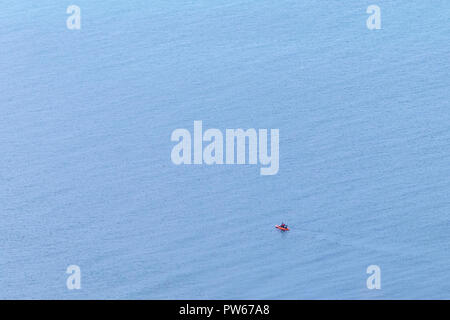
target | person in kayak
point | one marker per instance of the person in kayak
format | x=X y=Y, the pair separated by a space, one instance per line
x=283 y=225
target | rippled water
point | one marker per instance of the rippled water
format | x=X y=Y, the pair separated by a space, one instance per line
x=85 y=169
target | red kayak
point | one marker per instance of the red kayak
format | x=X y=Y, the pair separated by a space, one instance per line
x=281 y=228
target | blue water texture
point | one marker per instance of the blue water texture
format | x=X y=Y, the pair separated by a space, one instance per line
x=87 y=178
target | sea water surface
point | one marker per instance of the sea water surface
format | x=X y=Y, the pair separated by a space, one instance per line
x=87 y=179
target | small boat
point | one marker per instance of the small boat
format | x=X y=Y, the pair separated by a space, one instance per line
x=281 y=228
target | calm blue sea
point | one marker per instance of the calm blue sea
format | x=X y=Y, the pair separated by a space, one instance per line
x=86 y=176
